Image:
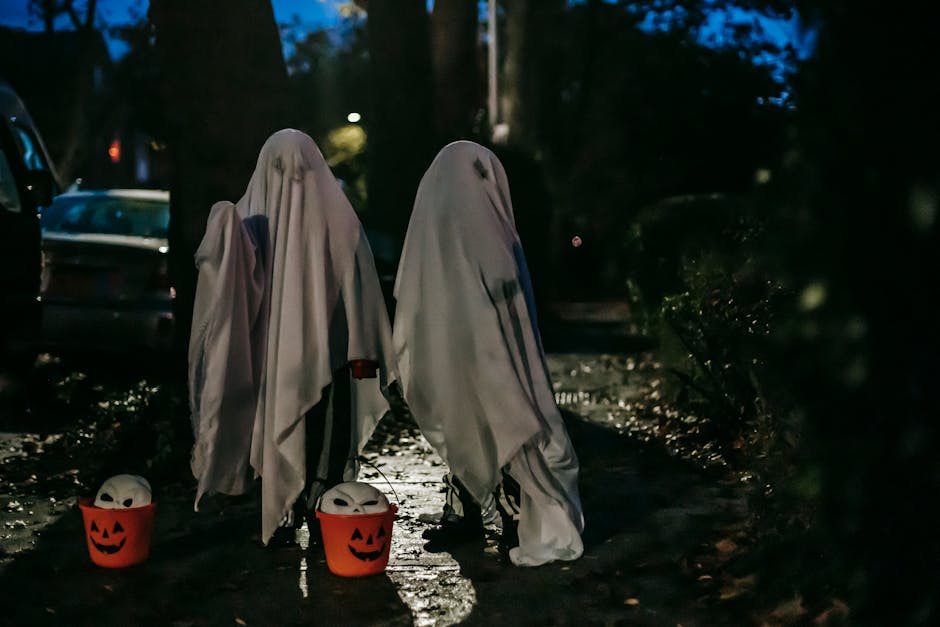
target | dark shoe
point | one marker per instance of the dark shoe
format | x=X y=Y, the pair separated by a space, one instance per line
x=453 y=532
x=509 y=538
x=283 y=537
x=315 y=537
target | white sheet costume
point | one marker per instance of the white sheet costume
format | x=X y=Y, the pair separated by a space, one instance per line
x=287 y=295
x=469 y=353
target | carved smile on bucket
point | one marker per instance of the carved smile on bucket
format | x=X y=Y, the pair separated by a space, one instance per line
x=366 y=551
x=108 y=548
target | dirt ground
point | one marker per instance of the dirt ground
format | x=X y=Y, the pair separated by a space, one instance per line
x=657 y=527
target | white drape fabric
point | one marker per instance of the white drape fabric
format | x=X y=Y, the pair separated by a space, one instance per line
x=469 y=354
x=274 y=319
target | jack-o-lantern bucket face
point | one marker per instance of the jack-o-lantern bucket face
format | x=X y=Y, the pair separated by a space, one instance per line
x=358 y=544
x=117 y=537
x=105 y=542
x=368 y=545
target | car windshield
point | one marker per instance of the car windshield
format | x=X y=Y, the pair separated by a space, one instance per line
x=108 y=215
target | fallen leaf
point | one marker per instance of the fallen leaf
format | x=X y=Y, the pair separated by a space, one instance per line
x=632 y=601
x=239 y=621
x=837 y=612
x=726 y=546
x=789 y=612
x=737 y=587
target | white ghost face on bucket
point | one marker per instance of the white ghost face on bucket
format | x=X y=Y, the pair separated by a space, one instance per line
x=353 y=497
x=123 y=491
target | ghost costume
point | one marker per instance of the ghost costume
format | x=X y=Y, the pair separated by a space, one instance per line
x=287 y=295
x=469 y=354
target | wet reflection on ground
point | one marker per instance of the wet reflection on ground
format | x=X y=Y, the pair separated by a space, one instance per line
x=645 y=512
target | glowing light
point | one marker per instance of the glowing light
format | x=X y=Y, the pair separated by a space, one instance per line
x=353 y=117
x=813 y=296
x=163 y=249
x=114 y=151
x=576 y=241
x=923 y=207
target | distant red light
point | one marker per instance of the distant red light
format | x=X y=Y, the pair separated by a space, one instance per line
x=114 y=151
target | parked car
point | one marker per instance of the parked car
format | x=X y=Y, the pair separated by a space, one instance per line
x=105 y=280
x=386 y=251
x=27 y=182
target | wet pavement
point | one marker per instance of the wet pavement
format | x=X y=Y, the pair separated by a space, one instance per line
x=656 y=528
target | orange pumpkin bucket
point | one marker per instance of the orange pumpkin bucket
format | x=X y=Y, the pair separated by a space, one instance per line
x=357 y=545
x=117 y=537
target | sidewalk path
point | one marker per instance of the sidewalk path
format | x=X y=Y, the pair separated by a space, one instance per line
x=645 y=511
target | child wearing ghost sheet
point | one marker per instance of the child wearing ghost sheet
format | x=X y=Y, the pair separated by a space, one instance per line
x=471 y=364
x=287 y=298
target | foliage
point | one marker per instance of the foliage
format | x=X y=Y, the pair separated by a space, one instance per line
x=345 y=152
x=701 y=276
x=843 y=441
x=49 y=10
x=722 y=321
x=742 y=328
x=643 y=114
x=328 y=73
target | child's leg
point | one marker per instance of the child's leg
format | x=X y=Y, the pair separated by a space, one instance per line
x=508 y=504
x=317 y=436
x=462 y=520
x=340 y=421
x=329 y=438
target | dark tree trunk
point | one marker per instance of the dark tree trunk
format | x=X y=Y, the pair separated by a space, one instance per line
x=90 y=10
x=527 y=86
x=514 y=83
x=400 y=135
x=224 y=87
x=456 y=60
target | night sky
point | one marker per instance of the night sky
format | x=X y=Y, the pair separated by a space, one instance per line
x=312 y=14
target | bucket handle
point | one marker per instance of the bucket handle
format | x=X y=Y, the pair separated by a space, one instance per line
x=362 y=460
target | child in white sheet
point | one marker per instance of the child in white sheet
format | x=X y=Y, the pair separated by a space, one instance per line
x=471 y=363
x=288 y=297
